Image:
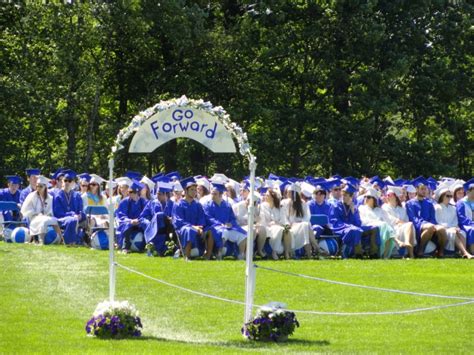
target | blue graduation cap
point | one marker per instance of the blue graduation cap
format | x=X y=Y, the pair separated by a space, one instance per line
x=136 y=185
x=273 y=177
x=174 y=175
x=432 y=183
x=419 y=181
x=263 y=189
x=399 y=182
x=350 y=189
x=13 y=179
x=85 y=177
x=376 y=180
x=469 y=185
x=134 y=175
x=218 y=187
x=164 y=187
x=58 y=173
x=156 y=177
x=188 y=182
x=69 y=174
x=351 y=180
x=337 y=176
x=32 y=171
x=321 y=186
x=332 y=183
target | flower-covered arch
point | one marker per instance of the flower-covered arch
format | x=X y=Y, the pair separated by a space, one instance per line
x=152 y=123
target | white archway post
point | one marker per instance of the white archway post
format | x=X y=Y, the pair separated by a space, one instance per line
x=111 y=233
x=249 y=270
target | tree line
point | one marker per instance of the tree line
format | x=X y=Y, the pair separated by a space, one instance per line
x=321 y=87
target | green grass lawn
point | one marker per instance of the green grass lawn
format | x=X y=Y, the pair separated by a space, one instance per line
x=48 y=293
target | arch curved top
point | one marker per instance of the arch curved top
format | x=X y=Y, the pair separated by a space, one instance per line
x=183 y=118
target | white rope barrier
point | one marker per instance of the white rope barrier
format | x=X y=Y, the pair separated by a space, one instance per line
x=363 y=286
x=203 y=294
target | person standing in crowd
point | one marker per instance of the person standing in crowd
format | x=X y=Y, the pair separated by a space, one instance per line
x=346 y=223
x=38 y=209
x=221 y=222
x=272 y=221
x=465 y=214
x=68 y=209
x=405 y=231
x=128 y=216
x=32 y=176
x=447 y=217
x=296 y=219
x=189 y=222
x=421 y=212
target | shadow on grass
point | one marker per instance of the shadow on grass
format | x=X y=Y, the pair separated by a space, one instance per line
x=244 y=344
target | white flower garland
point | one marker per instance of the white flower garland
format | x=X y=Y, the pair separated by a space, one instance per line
x=218 y=111
x=108 y=307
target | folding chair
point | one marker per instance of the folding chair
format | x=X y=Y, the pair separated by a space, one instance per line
x=96 y=210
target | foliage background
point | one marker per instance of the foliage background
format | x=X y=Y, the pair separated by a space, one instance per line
x=322 y=87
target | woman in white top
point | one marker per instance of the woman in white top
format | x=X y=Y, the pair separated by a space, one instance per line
x=38 y=208
x=296 y=218
x=446 y=216
x=372 y=215
x=405 y=231
x=272 y=223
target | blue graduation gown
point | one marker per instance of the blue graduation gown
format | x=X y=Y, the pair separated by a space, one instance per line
x=64 y=209
x=6 y=196
x=153 y=218
x=186 y=215
x=322 y=209
x=25 y=192
x=216 y=216
x=420 y=212
x=346 y=224
x=127 y=210
x=464 y=222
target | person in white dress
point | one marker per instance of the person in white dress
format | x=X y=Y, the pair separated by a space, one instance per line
x=38 y=209
x=242 y=215
x=272 y=222
x=296 y=218
x=372 y=215
x=405 y=231
x=446 y=216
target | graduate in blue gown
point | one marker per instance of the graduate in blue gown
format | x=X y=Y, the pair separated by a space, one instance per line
x=221 y=222
x=69 y=211
x=319 y=206
x=156 y=221
x=128 y=216
x=465 y=213
x=11 y=194
x=346 y=223
x=189 y=222
x=421 y=213
x=32 y=175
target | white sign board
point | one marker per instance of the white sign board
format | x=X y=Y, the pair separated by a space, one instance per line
x=182 y=122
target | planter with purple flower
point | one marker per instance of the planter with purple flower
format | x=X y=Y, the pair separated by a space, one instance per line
x=272 y=323
x=114 y=320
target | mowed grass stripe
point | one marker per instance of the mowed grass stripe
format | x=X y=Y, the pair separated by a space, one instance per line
x=68 y=283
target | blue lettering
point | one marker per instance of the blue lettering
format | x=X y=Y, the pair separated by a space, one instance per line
x=202 y=127
x=154 y=128
x=184 y=127
x=195 y=126
x=167 y=127
x=188 y=114
x=211 y=132
x=177 y=117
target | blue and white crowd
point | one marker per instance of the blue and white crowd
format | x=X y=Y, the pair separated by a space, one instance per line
x=208 y=217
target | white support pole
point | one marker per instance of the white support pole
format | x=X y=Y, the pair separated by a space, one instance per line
x=249 y=269
x=111 y=234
